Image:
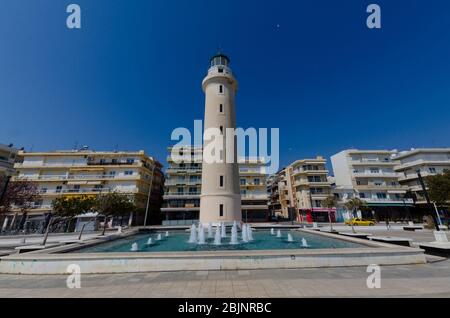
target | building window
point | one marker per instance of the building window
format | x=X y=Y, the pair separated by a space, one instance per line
x=44 y=190
x=130 y=161
x=221 y=181
x=180 y=190
x=221 y=89
x=128 y=172
x=220 y=210
x=362 y=195
x=256 y=181
x=221 y=108
x=221 y=130
x=58 y=189
x=374 y=170
x=242 y=181
x=381 y=195
x=432 y=170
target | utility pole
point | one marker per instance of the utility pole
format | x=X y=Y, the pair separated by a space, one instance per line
x=427 y=197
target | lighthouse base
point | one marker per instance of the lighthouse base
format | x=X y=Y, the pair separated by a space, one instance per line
x=220 y=208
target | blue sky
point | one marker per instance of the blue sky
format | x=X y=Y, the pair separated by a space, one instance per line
x=311 y=68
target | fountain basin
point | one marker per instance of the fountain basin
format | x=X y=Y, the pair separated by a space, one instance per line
x=363 y=253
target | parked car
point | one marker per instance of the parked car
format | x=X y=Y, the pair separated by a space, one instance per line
x=358 y=221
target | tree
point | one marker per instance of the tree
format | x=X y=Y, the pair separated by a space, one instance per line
x=439 y=188
x=354 y=205
x=113 y=204
x=330 y=202
x=20 y=194
x=68 y=208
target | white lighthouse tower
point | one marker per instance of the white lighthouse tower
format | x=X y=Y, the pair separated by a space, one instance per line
x=220 y=200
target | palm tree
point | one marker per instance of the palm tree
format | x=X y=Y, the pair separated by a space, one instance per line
x=354 y=205
x=330 y=202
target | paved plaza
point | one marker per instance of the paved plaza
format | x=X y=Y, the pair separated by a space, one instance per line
x=428 y=280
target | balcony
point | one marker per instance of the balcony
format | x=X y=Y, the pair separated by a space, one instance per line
x=170 y=182
x=310 y=172
x=79 y=177
x=369 y=187
x=312 y=183
x=388 y=200
x=75 y=191
x=421 y=162
x=375 y=174
x=368 y=162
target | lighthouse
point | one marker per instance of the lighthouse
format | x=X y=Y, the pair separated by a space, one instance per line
x=220 y=199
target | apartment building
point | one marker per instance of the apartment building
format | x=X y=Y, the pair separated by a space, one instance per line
x=298 y=191
x=371 y=176
x=183 y=187
x=309 y=180
x=429 y=161
x=87 y=172
x=8 y=155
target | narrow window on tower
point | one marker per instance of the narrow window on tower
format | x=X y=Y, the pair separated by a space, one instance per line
x=221 y=181
x=220 y=89
x=221 y=108
x=221 y=130
x=221 y=210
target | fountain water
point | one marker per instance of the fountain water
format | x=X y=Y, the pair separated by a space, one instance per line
x=289 y=238
x=134 y=247
x=278 y=233
x=304 y=243
x=201 y=235
x=272 y=231
x=234 y=238
x=217 y=237
x=193 y=236
x=210 y=231
x=167 y=234
x=150 y=241
x=249 y=232
x=159 y=237
x=224 y=230
x=244 y=234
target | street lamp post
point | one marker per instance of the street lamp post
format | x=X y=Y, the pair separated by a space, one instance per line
x=425 y=192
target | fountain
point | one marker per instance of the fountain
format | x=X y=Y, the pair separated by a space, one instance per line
x=278 y=233
x=244 y=234
x=217 y=237
x=272 y=231
x=289 y=238
x=304 y=243
x=249 y=232
x=159 y=237
x=234 y=238
x=224 y=230
x=167 y=234
x=210 y=231
x=193 y=236
x=201 y=235
x=150 y=241
x=134 y=247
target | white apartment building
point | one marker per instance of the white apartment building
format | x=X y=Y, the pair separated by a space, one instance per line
x=86 y=172
x=371 y=176
x=8 y=155
x=429 y=161
x=183 y=187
